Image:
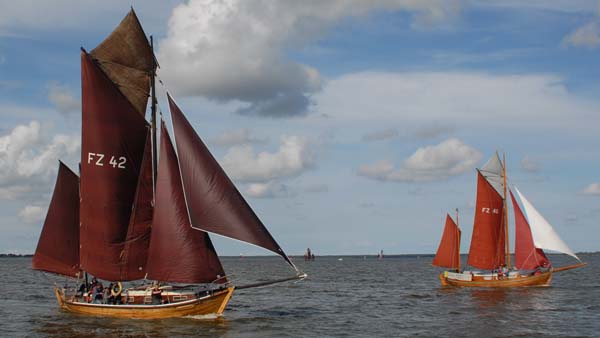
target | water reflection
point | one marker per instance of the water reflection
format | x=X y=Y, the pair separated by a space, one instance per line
x=63 y=324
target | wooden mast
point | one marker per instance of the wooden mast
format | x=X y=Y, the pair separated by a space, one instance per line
x=153 y=109
x=505 y=212
x=458 y=244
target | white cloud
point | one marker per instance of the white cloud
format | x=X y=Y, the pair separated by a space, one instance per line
x=275 y=189
x=587 y=36
x=456 y=98
x=28 y=158
x=592 y=189
x=32 y=214
x=237 y=137
x=269 y=190
x=449 y=158
x=292 y=157
x=385 y=134
x=63 y=99
x=237 y=49
x=528 y=164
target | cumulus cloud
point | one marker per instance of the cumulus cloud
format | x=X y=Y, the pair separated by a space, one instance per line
x=32 y=214
x=431 y=163
x=238 y=49
x=292 y=158
x=528 y=164
x=587 y=36
x=592 y=189
x=28 y=158
x=237 y=137
x=385 y=134
x=63 y=99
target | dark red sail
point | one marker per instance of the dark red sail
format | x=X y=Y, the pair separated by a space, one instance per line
x=112 y=148
x=126 y=58
x=214 y=203
x=527 y=256
x=135 y=251
x=178 y=252
x=487 y=242
x=58 y=248
x=448 y=254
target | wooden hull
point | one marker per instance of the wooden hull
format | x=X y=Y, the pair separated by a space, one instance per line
x=542 y=279
x=210 y=305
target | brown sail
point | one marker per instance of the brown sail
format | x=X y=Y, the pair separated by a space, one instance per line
x=58 y=248
x=487 y=241
x=112 y=148
x=527 y=256
x=178 y=252
x=135 y=251
x=214 y=203
x=448 y=254
x=127 y=59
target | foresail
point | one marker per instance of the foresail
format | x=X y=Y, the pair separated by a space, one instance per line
x=527 y=256
x=214 y=203
x=493 y=171
x=178 y=252
x=448 y=255
x=127 y=59
x=543 y=233
x=58 y=248
x=112 y=148
x=135 y=250
x=487 y=241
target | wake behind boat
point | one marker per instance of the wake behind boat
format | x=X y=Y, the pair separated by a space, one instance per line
x=133 y=215
x=489 y=251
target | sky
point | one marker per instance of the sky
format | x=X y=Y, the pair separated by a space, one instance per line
x=350 y=126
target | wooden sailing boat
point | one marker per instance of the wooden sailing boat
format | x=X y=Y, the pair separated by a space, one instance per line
x=131 y=218
x=489 y=249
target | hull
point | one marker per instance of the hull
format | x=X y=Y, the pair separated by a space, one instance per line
x=542 y=279
x=209 y=305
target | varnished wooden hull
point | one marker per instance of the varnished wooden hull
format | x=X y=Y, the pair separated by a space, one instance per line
x=542 y=279
x=210 y=305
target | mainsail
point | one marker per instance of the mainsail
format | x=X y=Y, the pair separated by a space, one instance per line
x=214 y=203
x=448 y=254
x=114 y=137
x=178 y=252
x=487 y=241
x=58 y=248
x=543 y=233
x=527 y=256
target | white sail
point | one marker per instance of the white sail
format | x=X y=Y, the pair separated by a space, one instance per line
x=493 y=172
x=544 y=236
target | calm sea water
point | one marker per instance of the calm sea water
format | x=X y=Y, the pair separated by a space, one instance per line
x=352 y=297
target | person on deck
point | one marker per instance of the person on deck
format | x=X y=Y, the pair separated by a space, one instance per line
x=97 y=293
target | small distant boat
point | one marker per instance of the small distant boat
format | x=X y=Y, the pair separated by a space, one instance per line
x=489 y=251
x=134 y=217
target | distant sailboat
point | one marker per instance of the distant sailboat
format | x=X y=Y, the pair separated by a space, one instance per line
x=135 y=216
x=489 y=249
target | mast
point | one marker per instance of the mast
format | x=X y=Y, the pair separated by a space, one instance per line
x=457 y=244
x=506 y=238
x=153 y=110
